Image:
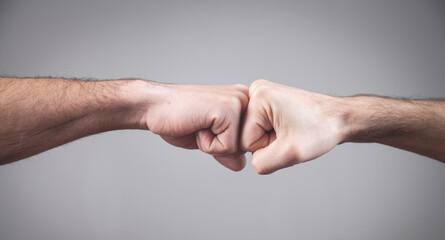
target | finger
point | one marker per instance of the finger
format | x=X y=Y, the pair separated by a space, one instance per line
x=244 y=99
x=275 y=156
x=187 y=141
x=256 y=128
x=211 y=143
x=222 y=136
x=234 y=162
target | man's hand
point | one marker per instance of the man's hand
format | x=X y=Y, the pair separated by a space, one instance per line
x=204 y=117
x=42 y=113
x=285 y=126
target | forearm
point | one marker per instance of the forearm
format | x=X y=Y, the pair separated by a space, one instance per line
x=414 y=125
x=39 y=114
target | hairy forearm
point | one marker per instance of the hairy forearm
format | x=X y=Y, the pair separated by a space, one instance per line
x=39 y=114
x=414 y=125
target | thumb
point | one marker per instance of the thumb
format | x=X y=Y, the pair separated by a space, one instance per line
x=279 y=154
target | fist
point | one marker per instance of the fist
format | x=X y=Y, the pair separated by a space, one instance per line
x=285 y=126
x=204 y=117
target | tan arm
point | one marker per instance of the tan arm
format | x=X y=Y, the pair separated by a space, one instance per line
x=39 y=114
x=414 y=125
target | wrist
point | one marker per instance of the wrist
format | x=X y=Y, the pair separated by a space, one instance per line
x=340 y=110
x=353 y=113
x=347 y=112
x=132 y=103
x=368 y=118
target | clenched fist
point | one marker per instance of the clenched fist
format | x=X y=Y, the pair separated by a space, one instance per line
x=285 y=126
x=204 y=117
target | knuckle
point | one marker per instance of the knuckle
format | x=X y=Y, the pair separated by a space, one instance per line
x=241 y=87
x=243 y=97
x=259 y=82
x=234 y=104
x=206 y=148
x=259 y=168
x=203 y=147
x=245 y=146
x=260 y=91
x=156 y=127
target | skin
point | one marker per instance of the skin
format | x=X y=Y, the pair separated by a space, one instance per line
x=282 y=126
x=285 y=126
x=204 y=117
x=38 y=114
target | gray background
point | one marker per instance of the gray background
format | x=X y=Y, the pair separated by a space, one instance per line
x=132 y=185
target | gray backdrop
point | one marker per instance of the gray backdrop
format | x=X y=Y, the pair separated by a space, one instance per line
x=132 y=185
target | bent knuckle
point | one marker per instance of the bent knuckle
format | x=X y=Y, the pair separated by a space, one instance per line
x=241 y=87
x=246 y=146
x=259 y=82
x=232 y=104
x=259 y=167
x=261 y=91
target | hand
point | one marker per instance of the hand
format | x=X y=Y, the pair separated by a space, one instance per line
x=285 y=126
x=204 y=117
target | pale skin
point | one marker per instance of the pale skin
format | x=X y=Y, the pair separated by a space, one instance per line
x=285 y=126
x=282 y=126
